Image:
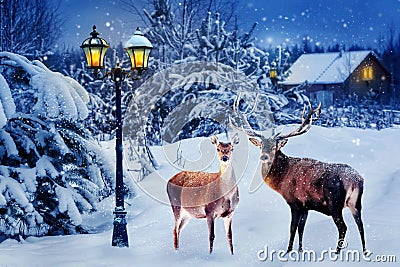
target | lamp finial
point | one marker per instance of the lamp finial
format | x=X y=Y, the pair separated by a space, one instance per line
x=94 y=33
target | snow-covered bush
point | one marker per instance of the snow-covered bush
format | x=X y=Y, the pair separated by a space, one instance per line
x=101 y=120
x=187 y=100
x=210 y=42
x=51 y=168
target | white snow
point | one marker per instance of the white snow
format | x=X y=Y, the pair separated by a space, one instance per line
x=8 y=143
x=261 y=219
x=67 y=204
x=3 y=118
x=325 y=68
x=23 y=62
x=6 y=99
x=59 y=140
x=58 y=96
x=28 y=178
x=45 y=167
x=7 y=105
x=14 y=191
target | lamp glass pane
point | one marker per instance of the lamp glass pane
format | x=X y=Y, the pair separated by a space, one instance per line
x=86 y=50
x=131 y=57
x=139 y=57
x=146 y=56
x=95 y=56
x=103 y=51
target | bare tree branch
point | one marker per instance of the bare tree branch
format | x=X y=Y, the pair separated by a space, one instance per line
x=29 y=28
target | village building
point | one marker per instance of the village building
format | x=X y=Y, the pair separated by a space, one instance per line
x=329 y=77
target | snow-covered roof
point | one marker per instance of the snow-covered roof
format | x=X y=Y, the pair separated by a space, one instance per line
x=326 y=68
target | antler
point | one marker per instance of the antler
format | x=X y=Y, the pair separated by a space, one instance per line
x=248 y=130
x=306 y=121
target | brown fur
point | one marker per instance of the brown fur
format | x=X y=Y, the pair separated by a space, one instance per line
x=303 y=180
x=205 y=195
x=308 y=184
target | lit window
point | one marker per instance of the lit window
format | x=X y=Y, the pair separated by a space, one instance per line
x=368 y=73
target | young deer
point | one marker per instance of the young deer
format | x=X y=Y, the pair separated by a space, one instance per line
x=308 y=184
x=195 y=194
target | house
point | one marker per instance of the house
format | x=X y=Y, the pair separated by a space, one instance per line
x=328 y=77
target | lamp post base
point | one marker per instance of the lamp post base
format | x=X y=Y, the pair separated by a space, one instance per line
x=120 y=234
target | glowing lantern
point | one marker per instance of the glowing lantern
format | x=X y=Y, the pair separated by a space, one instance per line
x=95 y=49
x=138 y=48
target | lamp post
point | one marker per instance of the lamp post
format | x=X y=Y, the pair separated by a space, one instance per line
x=138 y=48
x=273 y=73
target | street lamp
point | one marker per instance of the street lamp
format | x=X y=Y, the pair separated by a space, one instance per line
x=272 y=70
x=273 y=73
x=138 y=48
x=95 y=49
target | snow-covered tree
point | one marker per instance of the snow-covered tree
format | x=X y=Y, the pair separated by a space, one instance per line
x=101 y=117
x=51 y=168
x=29 y=27
x=175 y=104
x=215 y=44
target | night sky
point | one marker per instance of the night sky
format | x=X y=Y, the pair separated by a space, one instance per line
x=279 y=22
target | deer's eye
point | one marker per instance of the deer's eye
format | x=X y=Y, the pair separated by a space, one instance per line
x=218 y=150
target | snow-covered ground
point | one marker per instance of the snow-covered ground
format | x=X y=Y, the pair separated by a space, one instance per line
x=261 y=219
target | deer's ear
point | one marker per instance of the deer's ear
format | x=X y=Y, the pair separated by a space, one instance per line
x=214 y=140
x=235 y=139
x=255 y=142
x=281 y=143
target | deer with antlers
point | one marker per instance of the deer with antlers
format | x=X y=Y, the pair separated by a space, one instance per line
x=196 y=194
x=308 y=184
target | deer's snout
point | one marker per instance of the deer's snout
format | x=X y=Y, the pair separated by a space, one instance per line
x=225 y=158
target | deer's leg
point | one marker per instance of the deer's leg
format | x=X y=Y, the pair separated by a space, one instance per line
x=177 y=216
x=360 y=225
x=178 y=222
x=228 y=229
x=179 y=225
x=342 y=228
x=355 y=209
x=295 y=210
x=300 y=229
x=336 y=199
x=176 y=237
x=210 y=222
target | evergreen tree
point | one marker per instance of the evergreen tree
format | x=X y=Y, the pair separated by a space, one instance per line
x=52 y=169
